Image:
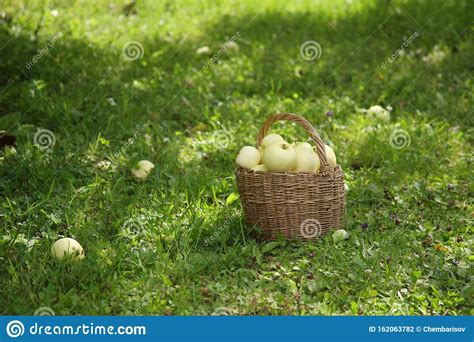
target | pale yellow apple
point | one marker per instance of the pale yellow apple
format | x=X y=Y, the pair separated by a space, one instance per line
x=279 y=157
x=306 y=159
x=67 y=248
x=248 y=157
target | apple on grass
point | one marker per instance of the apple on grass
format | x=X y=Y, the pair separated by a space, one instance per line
x=67 y=248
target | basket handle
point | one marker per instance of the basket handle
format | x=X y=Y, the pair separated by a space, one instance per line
x=302 y=122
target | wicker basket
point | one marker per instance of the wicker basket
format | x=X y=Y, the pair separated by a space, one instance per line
x=294 y=205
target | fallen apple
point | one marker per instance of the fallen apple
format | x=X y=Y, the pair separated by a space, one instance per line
x=144 y=169
x=67 y=248
x=146 y=165
x=379 y=113
x=339 y=235
x=140 y=173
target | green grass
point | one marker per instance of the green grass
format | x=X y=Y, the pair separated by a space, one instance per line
x=174 y=243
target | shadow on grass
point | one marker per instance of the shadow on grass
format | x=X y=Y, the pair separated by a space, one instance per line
x=70 y=85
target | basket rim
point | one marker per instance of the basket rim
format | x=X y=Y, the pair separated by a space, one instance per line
x=327 y=171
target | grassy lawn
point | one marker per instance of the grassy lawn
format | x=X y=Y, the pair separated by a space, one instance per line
x=176 y=242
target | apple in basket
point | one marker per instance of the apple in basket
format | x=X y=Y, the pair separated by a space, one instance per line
x=306 y=158
x=270 y=139
x=248 y=157
x=331 y=156
x=279 y=157
x=260 y=168
x=275 y=154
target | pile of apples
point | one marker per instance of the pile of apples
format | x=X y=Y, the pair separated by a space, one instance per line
x=275 y=154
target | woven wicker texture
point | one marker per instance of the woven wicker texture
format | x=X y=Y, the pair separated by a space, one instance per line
x=295 y=205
